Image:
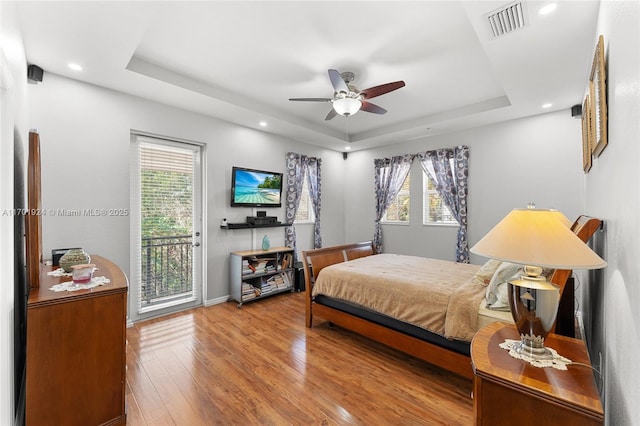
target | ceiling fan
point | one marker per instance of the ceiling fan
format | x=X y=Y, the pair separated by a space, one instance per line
x=348 y=100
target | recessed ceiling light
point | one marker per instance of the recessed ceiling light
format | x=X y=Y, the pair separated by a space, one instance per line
x=547 y=105
x=548 y=9
x=75 y=67
x=263 y=123
x=347 y=148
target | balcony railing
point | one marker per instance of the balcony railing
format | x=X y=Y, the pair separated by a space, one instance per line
x=167 y=269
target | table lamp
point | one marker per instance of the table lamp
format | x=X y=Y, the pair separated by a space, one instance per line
x=536 y=238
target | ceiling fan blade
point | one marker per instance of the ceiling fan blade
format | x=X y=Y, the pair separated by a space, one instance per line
x=372 y=92
x=331 y=114
x=369 y=107
x=311 y=99
x=338 y=83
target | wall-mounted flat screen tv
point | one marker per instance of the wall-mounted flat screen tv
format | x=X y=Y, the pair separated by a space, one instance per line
x=255 y=188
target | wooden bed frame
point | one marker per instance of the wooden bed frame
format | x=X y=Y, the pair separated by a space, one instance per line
x=315 y=260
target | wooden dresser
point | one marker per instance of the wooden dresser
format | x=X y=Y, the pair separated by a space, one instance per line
x=76 y=354
x=510 y=391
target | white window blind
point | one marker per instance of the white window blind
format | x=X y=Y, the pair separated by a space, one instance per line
x=166 y=183
x=435 y=211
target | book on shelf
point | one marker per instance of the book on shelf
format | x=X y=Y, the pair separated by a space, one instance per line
x=249 y=296
x=249 y=291
x=280 y=282
x=287 y=260
x=260 y=266
x=276 y=282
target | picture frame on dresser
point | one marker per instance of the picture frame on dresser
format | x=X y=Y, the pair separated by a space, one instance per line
x=33 y=218
x=586 y=135
x=598 y=99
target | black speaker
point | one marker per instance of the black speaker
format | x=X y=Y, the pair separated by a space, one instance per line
x=576 y=110
x=298 y=279
x=34 y=73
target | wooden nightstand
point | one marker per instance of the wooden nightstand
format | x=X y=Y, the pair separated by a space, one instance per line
x=510 y=391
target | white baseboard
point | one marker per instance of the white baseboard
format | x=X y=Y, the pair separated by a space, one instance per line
x=216 y=301
x=206 y=303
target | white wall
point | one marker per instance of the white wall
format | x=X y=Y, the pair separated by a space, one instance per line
x=13 y=116
x=85 y=140
x=536 y=159
x=610 y=299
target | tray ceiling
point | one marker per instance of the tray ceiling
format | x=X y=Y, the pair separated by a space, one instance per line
x=241 y=61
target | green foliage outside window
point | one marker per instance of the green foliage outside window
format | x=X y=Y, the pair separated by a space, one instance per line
x=166 y=199
x=166 y=211
x=399 y=209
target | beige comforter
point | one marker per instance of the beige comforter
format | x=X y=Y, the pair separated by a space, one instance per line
x=436 y=295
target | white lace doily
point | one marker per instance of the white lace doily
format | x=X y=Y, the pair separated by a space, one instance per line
x=71 y=286
x=59 y=273
x=558 y=361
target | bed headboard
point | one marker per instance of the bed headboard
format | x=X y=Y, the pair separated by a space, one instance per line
x=315 y=260
x=584 y=227
x=323 y=257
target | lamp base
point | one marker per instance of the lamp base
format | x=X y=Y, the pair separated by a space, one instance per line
x=532 y=348
x=534 y=303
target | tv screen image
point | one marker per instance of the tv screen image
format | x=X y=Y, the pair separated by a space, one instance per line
x=255 y=188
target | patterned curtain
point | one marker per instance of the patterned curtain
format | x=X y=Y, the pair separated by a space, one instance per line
x=299 y=166
x=312 y=168
x=390 y=174
x=448 y=170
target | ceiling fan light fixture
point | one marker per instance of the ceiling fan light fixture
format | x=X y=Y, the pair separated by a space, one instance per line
x=347 y=106
x=348 y=100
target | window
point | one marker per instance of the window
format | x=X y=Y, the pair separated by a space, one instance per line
x=435 y=210
x=305 y=212
x=398 y=211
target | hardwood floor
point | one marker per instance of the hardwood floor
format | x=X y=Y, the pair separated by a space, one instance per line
x=260 y=365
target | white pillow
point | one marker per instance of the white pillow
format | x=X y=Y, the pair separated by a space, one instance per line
x=485 y=273
x=497 y=289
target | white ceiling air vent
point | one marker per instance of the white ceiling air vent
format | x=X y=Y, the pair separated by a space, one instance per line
x=507 y=19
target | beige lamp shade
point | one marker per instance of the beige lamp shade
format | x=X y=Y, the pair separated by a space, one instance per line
x=561 y=217
x=537 y=237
